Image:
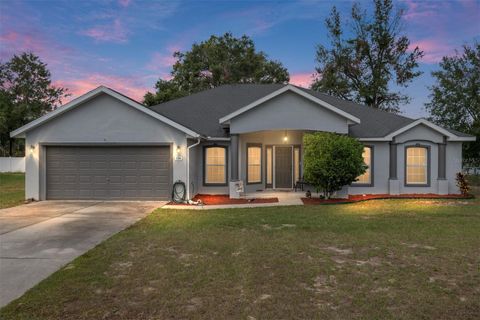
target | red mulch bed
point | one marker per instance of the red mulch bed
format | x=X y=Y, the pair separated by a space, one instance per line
x=359 y=197
x=217 y=199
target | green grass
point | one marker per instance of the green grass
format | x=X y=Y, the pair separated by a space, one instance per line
x=386 y=259
x=12 y=189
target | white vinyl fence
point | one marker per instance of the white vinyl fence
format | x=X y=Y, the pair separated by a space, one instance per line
x=12 y=164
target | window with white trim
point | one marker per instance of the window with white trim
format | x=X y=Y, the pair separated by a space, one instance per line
x=254 y=164
x=416 y=165
x=215 y=165
x=296 y=164
x=366 y=178
x=269 y=166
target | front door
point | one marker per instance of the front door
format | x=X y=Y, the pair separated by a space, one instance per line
x=283 y=167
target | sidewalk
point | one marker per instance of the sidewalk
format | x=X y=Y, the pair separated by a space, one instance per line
x=285 y=198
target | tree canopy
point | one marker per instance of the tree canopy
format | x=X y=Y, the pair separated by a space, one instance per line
x=455 y=96
x=219 y=60
x=366 y=58
x=26 y=93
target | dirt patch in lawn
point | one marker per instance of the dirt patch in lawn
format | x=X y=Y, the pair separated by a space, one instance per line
x=213 y=199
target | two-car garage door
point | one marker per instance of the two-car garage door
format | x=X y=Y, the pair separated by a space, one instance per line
x=113 y=172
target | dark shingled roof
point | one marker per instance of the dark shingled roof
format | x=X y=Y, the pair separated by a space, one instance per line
x=201 y=111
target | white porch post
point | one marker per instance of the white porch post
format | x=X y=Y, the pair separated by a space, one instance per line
x=235 y=185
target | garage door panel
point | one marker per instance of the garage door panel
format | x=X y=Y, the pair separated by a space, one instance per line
x=108 y=173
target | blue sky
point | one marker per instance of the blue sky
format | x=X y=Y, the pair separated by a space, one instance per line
x=127 y=44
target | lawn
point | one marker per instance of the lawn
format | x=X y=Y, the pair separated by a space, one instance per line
x=12 y=189
x=381 y=259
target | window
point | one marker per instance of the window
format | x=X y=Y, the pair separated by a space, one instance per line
x=215 y=166
x=254 y=163
x=269 y=166
x=296 y=164
x=416 y=166
x=366 y=178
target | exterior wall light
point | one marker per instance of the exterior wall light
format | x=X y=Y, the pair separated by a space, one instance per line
x=285 y=138
x=32 y=148
x=178 y=155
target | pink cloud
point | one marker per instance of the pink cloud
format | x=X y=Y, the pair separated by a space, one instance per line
x=124 y=3
x=131 y=87
x=114 y=32
x=302 y=79
x=13 y=42
x=161 y=61
x=433 y=49
x=416 y=10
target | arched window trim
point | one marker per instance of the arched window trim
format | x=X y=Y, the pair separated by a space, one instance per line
x=428 y=168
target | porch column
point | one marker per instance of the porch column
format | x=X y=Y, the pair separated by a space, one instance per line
x=442 y=160
x=442 y=167
x=234 y=156
x=393 y=183
x=393 y=161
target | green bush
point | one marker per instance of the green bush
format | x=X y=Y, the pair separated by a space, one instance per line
x=331 y=161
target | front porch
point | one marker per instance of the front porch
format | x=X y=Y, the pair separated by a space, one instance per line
x=284 y=197
x=266 y=162
x=266 y=137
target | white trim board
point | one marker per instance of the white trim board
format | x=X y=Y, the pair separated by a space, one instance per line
x=297 y=91
x=450 y=136
x=90 y=95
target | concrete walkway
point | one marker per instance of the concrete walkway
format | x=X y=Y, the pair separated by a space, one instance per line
x=39 y=238
x=285 y=198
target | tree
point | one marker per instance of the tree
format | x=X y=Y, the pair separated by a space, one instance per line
x=165 y=91
x=363 y=62
x=26 y=93
x=332 y=161
x=455 y=97
x=215 y=62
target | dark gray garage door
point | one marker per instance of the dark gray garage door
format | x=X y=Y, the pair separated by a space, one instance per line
x=114 y=173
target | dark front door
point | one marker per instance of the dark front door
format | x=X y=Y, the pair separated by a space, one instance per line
x=283 y=167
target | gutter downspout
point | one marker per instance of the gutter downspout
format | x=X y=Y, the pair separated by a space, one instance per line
x=188 y=166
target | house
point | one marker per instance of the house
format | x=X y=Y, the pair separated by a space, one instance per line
x=104 y=145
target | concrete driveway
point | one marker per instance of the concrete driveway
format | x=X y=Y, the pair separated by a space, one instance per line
x=39 y=238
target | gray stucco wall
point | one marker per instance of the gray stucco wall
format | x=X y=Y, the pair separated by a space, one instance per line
x=102 y=120
x=453 y=165
x=381 y=154
x=288 y=111
x=381 y=160
x=423 y=135
x=199 y=156
x=420 y=132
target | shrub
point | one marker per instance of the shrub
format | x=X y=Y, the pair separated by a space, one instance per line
x=462 y=183
x=332 y=161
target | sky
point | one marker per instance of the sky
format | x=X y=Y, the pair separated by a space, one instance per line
x=128 y=44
